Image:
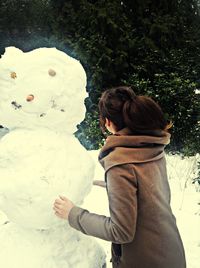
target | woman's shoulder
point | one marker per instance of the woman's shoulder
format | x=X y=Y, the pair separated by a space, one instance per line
x=121 y=173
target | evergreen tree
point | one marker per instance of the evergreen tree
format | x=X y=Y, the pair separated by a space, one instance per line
x=24 y=23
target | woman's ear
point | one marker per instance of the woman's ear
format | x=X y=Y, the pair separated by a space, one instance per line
x=110 y=126
x=107 y=122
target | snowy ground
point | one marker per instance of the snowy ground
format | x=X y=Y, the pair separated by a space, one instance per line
x=185 y=199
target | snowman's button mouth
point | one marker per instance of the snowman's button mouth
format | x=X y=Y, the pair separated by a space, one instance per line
x=16 y=105
x=30 y=97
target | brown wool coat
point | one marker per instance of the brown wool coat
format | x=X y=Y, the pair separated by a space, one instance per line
x=141 y=225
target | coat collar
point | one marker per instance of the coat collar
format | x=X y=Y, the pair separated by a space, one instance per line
x=124 y=147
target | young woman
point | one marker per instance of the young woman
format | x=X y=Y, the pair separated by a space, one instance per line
x=141 y=225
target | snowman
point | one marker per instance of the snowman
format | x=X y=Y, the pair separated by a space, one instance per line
x=42 y=96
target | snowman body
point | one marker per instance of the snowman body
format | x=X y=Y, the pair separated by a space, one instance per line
x=41 y=159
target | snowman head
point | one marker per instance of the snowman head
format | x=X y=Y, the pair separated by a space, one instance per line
x=41 y=88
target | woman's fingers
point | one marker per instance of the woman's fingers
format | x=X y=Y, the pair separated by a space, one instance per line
x=58 y=214
x=57 y=209
x=63 y=198
x=58 y=201
x=62 y=207
x=59 y=206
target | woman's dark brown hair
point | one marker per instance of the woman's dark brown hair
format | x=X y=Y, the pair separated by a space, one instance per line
x=139 y=113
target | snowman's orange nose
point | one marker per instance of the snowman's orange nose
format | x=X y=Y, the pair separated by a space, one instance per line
x=30 y=97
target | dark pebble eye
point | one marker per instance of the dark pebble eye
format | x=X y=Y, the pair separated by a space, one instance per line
x=62 y=110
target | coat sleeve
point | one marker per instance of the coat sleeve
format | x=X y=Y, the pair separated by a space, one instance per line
x=120 y=227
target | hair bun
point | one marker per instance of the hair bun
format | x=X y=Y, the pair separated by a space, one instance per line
x=131 y=99
x=125 y=93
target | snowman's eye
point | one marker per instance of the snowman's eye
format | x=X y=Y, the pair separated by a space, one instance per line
x=51 y=72
x=30 y=97
x=13 y=75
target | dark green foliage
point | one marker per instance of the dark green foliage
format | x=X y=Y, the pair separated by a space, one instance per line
x=24 y=23
x=152 y=45
x=177 y=95
x=89 y=132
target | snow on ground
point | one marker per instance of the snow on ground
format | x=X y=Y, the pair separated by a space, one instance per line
x=186 y=205
x=185 y=199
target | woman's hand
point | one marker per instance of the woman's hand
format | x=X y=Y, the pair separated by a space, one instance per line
x=62 y=207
